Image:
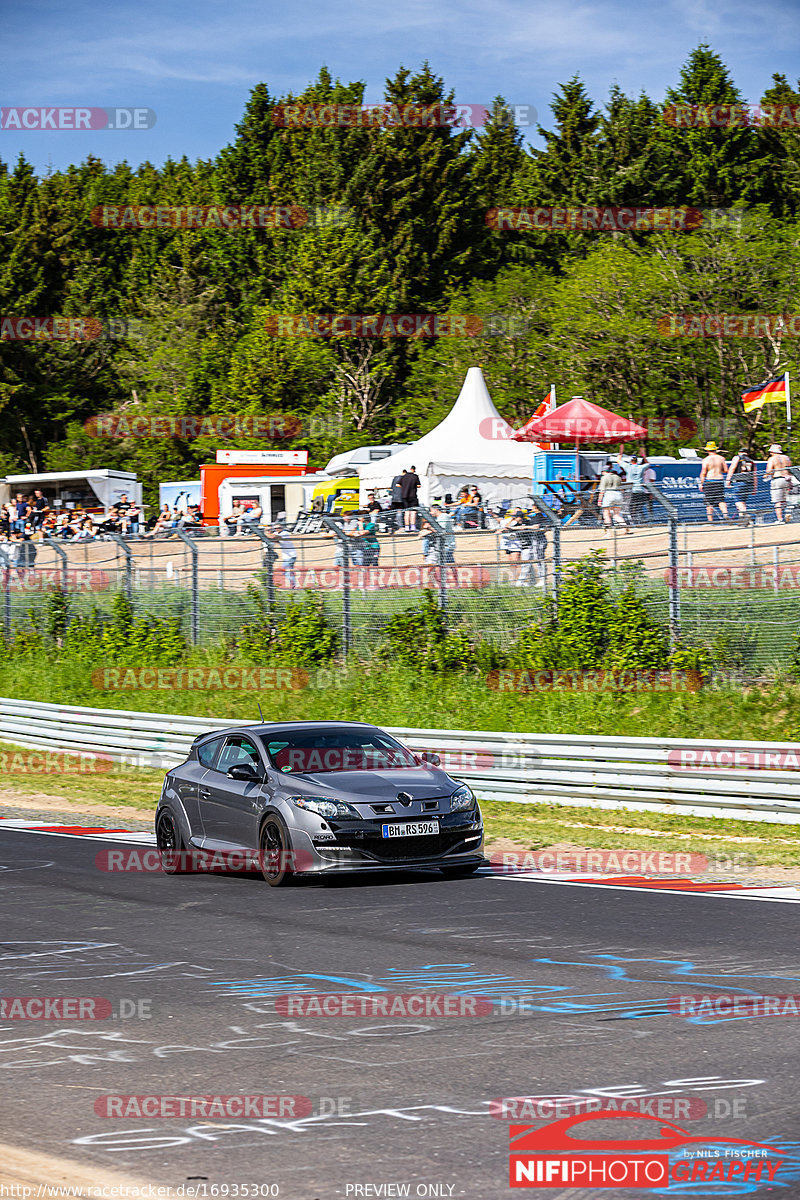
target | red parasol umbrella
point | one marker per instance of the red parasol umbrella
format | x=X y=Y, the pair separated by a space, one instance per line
x=579 y=421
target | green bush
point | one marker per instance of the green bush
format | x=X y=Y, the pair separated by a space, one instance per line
x=302 y=635
x=418 y=637
x=592 y=628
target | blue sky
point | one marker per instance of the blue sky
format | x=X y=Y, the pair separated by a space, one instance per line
x=194 y=64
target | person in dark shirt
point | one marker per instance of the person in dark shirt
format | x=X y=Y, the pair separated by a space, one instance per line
x=397 y=492
x=39 y=509
x=409 y=485
x=22 y=510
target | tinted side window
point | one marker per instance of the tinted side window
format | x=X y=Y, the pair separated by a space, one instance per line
x=238 y=750
x=208 y=752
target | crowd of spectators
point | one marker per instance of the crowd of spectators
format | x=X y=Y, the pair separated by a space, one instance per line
x=32 y=519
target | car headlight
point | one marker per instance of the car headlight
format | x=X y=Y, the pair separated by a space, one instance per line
x=461 y=799
x=326 y=808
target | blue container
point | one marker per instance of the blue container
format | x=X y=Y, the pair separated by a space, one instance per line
x=550 y=466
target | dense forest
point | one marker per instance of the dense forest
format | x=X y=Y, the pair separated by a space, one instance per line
x=194 y=303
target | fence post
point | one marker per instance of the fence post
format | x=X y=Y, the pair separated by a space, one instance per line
x=7 y=599
x=270 y=557
x=61 y=552
x=195 y=635
x=119 y=539
x=441 y=548
x=555 y=523
x=674 y=565
x=347 y=621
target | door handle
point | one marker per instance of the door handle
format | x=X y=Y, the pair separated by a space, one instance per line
x=205 y=794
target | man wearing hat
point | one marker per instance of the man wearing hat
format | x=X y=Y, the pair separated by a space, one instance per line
x=777 y=473
x=712 y=481
x=742 y=472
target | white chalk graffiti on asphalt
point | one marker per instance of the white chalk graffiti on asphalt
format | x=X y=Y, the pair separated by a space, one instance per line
x=87 y=1047
x=138 y=1139
x=87 y=960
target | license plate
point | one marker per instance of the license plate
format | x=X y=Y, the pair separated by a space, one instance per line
x=410 y=829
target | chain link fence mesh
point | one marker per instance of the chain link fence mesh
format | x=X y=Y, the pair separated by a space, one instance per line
x=724 y=580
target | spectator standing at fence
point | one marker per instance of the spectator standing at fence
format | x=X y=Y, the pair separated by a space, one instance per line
x=742 y=473
x=509 y=535
x=445 y=523
x=228 y=525
x=712 y=481
x=777 y=473
x=251 y=516
x=283 y=542
x=409 y=487
x=534 y=548
x=22 y=510
x=609 y=493
x=24 y=555
x=39 y=508
x=131 y=519
x=396 y=491
x=635 y=473
x=369 y=541
x=373 y=506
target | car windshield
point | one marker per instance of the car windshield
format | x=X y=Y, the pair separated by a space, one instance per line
x=309 y=752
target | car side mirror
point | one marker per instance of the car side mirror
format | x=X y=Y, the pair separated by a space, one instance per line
x=429 y=759
x=246 y=772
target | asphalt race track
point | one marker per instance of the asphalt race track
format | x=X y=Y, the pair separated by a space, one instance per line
x=196 y=964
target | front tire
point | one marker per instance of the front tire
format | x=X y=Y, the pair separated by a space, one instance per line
x=274 y=847
x=170 y=843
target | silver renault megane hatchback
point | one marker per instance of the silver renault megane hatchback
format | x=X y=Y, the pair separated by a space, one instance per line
x=317 y=798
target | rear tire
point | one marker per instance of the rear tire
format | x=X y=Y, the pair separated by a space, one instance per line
x=170 y=843
x=274 y=846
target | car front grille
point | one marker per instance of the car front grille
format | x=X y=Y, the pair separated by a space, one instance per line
x=400 y=848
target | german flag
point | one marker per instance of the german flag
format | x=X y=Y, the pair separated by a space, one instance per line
x=773 y=392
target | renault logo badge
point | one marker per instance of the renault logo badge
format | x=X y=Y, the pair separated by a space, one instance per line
x=404 y=798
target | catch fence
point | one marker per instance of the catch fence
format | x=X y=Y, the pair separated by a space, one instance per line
x=727 y=582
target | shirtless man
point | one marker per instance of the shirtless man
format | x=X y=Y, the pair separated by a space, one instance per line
x=778 y=475
x=712 y=481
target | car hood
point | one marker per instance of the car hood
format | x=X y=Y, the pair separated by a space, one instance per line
x=420 y=783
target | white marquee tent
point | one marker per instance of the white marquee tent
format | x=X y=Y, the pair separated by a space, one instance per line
x=471 y=445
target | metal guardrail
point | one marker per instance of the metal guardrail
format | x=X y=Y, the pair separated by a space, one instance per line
x=584 y=771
